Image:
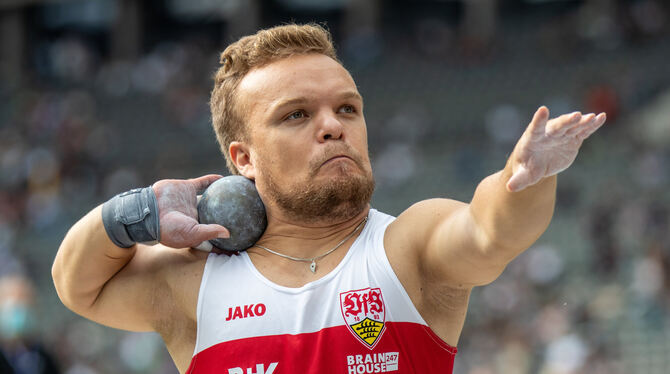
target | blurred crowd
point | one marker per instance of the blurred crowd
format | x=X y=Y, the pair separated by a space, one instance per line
x=445 y=103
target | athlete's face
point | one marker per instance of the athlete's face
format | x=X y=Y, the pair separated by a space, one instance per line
x=307 y=148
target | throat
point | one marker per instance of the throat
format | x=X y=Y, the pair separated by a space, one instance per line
x=292 y=274
x=311 y=265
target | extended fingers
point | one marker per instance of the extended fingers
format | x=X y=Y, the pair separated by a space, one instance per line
x=562 y=124
x=584 y=131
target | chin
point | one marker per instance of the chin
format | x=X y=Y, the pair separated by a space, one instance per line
x=328 y=197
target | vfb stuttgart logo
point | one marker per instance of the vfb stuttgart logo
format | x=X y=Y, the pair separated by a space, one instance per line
x=364 y=312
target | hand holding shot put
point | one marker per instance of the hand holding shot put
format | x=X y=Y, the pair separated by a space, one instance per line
x=331 y=285
x=178 y=213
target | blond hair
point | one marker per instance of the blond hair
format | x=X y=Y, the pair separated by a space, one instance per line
x=254 y=51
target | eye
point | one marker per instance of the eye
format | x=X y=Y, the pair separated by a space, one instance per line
x=347 y=109
x=298 y=114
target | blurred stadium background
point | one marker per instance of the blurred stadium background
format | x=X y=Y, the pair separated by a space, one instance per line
x=97 y=97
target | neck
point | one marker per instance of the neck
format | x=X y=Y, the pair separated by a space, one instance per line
x=307 y=239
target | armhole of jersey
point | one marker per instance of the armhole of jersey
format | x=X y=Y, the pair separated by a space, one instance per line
x=201 y=297
x=382 y=259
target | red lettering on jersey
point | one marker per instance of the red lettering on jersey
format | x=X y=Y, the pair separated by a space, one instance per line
x=250 y=310
x=237 y=313
x=259 y=309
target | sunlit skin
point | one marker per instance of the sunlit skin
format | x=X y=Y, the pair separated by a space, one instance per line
x=306 y=130
x=306 y=126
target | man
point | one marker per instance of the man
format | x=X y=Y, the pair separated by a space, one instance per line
x=332 y=285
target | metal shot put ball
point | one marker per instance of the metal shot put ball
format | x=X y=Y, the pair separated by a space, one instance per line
x=233 y=202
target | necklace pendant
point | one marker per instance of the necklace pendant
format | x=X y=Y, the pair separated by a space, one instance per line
x=312 y=266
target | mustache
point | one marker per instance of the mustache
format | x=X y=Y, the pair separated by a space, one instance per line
x=331 y=151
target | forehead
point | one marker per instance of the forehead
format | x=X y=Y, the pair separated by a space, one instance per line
x=310 y=76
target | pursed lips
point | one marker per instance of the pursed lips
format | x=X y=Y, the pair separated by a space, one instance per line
x=337 y=157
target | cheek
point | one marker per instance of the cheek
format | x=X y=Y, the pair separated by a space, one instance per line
x=282 y=155
x=361 y=145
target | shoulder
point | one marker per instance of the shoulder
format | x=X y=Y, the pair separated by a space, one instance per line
x=407 y=238
x=421 y=218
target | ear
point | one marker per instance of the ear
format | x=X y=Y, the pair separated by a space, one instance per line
x=241 y=156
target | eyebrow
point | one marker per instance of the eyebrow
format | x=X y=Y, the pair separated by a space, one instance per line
x=302 y=100
x=351 y=95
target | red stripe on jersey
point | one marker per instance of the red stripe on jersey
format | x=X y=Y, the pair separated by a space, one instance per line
x=330 y=350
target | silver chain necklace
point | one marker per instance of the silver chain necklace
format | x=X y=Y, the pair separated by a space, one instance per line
x=312 y=261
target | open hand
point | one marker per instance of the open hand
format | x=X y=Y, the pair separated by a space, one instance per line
x=178 y=212
x=549 y=146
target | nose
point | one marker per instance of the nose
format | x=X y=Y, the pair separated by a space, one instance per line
x=330 y=128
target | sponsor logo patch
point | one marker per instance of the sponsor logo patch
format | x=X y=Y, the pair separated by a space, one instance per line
x=373 y=363
x=364 y=312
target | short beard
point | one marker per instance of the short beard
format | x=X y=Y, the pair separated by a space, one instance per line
x=338 y=199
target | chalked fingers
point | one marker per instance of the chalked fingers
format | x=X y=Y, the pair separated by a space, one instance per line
x=201 y=183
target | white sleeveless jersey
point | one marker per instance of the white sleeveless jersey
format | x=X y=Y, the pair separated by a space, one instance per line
x=356 y=319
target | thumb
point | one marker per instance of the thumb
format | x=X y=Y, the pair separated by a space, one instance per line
x=540 y=118
x=519 y=180
x=204 y=232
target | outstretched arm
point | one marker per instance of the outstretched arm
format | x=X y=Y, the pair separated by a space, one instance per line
x=470 y=244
